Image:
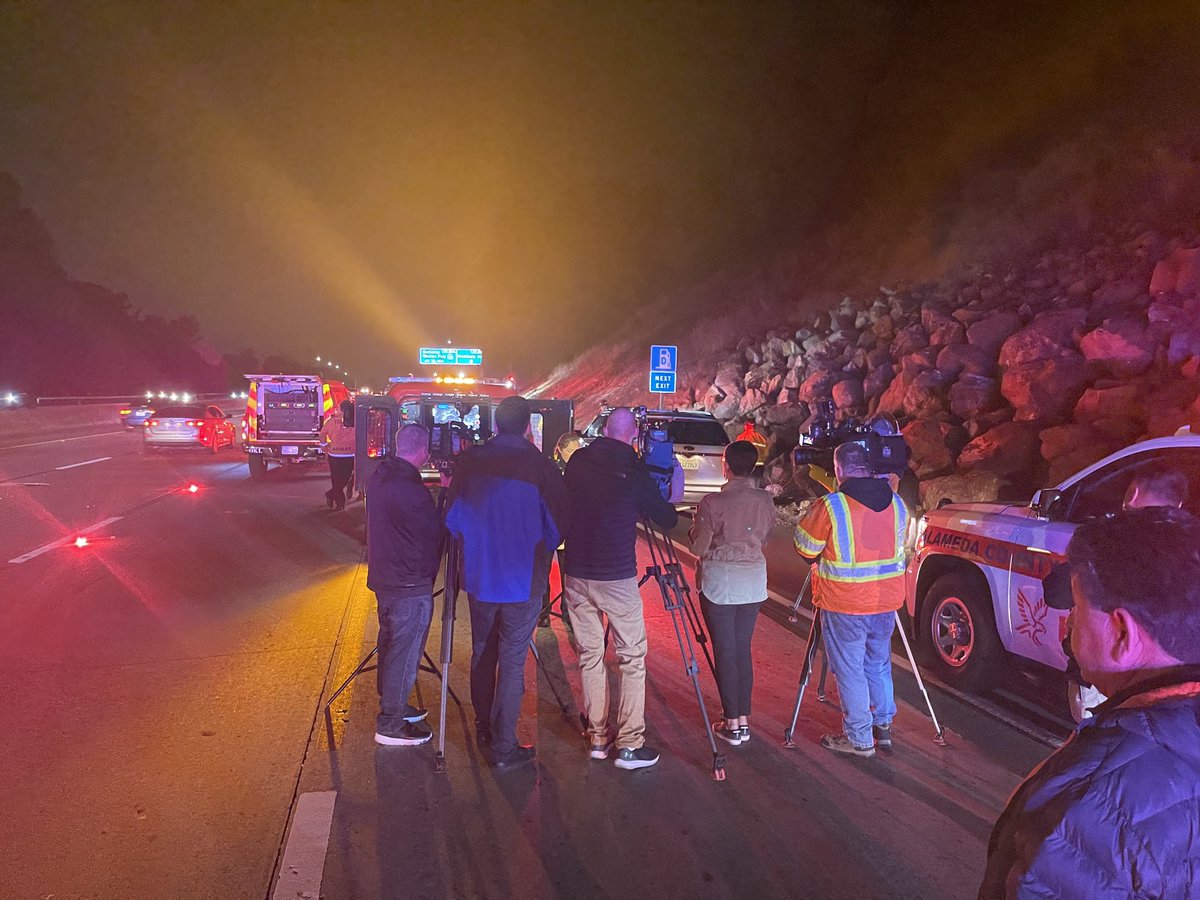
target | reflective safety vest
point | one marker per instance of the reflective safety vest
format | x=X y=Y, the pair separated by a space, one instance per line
x=860 y=554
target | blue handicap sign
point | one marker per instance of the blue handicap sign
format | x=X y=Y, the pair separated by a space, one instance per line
x=662 y=382
x=663 y=358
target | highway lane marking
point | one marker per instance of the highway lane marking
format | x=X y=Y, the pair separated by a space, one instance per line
x=303 y=864
x=85 y=463
x=54 y=545
x=82 y=437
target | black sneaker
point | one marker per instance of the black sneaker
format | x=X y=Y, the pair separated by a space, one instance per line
x=883 y=736
x=518 y=757
x=744 y=731
x=416 y=714
x=641 y=758
x=727 y=734
x=409 y=734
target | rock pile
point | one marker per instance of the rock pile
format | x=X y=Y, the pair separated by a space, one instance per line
x=1004 y=380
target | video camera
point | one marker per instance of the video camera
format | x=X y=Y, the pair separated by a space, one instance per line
x=887 y=452
x=656 y=449
x=447 y=442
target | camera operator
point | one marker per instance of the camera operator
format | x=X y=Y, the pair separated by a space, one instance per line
x=855 y=536
x=508 y=507
x=610 y=490
x=403 y=533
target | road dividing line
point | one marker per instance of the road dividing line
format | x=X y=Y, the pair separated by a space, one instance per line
x=81 y=437
x=54 y=545
x=303 y=863
x=85 y=463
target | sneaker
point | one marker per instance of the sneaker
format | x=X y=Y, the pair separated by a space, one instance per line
x=519 y=757
x=640 y=758
x=744 y=731
x=600 y=751
x=839 y=743
x=410 y=734
x=727 y=734
x=883 y=736
x=416 y=714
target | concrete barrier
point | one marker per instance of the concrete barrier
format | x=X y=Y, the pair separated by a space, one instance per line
x=17 y=425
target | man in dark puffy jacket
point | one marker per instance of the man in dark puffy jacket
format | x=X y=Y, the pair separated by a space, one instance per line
x=508 y=508
x=403 y=533
x=610 y=491
x=1115 y=812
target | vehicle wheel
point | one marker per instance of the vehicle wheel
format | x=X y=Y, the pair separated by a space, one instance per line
x=957 y=633
x=258 y=466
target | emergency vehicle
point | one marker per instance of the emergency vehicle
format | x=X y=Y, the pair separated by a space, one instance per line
x=284 y=415
x=974 y=585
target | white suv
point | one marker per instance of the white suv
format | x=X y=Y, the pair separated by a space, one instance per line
x=699 y=440
x=974 y=585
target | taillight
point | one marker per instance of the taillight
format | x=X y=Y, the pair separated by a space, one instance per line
x=193 y=423
x=152 y=423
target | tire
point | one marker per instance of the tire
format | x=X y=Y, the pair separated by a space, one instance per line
x=258 y=466
x=958 y=633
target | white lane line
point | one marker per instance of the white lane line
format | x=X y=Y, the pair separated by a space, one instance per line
x=54 y=545
x=85 y=463
x=82 y=437
x=303 y=864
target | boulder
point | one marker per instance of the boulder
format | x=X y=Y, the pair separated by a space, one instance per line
x=987 y=421
x=1117 y=298
x=973 y=395
x=909 y=340
x=818 y=384
x=927 y=394
x=787 y=415
x=1009 y=449
x=877 y=381
x=1064 y=440
x=1076 y=460
x=969 y=359
x=989 y=334
x=1115 y=401
x=892 y=399
x=1120 y=432
x=1045 y=390
x=972 y=487
x=1178 y=273
x=751 y=400
x=1049 y=334
x=935 y=445
x=1183 y=344
x=948 y=333
x=1120 y=346
x=848 y=396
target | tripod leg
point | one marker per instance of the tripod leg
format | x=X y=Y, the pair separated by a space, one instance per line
x=537 y=657
x=345 y=684
x=794 y=615
x=814 y=638
x=449 y=604
x=939 y=735
x=432 y=668
x=696 y=623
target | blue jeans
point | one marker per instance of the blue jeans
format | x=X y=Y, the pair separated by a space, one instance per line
x=860 y=652
x=500 y=634
x=403 y=624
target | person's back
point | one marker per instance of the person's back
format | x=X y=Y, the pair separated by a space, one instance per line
x=402 y=529
x=610 y=492
x=741 y=516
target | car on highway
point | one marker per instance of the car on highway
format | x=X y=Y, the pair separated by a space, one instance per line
x=191 y=426
x=974 y=586
x=135 y=413
x=699 y=440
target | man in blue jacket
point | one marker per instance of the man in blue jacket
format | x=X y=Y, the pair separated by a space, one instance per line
x=508 y=508
x=1115 y=812
x=403 y=534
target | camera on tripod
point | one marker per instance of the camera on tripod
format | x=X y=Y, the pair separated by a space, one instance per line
x=656 y=449
x=887 y=452
x=447 y=442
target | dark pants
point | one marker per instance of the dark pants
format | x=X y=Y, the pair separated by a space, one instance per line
x=341 y=471
x=403 y=624
x=500 y=634
x=731 y=626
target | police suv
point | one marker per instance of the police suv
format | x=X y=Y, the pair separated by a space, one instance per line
x=974 y=584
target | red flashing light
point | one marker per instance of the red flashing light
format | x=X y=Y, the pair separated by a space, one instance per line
x=193 y=423
x=81 y=541
x=193 y=488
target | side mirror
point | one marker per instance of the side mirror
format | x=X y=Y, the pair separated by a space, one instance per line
x=1044 y=502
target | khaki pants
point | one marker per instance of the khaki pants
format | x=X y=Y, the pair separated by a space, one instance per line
x=621 y=601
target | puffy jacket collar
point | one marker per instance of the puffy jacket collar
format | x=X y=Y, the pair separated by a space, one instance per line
x=1174 y=682
x=395 y=467
x=873 y=493
x=611 y=453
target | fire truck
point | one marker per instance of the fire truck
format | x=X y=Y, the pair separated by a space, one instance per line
x=458 y=411
x=284 y=415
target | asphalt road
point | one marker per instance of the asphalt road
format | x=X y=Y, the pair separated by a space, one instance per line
x=165 y=736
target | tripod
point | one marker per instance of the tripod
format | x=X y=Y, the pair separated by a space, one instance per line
x=667 y=573
x=810 y=650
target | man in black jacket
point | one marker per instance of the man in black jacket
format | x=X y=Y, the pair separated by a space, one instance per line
x=610 y=491
x=403 y=533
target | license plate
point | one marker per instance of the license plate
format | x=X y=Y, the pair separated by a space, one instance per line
x=290 y=451
x=689 y=463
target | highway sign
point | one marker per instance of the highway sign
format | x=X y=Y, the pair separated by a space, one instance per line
x=450 y=356
x=663 y=358
x=662 y=382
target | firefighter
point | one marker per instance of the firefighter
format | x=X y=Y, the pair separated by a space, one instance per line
x=338 y=440
x=855 y=537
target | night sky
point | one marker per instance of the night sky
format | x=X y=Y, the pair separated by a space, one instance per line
x=358 y=179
